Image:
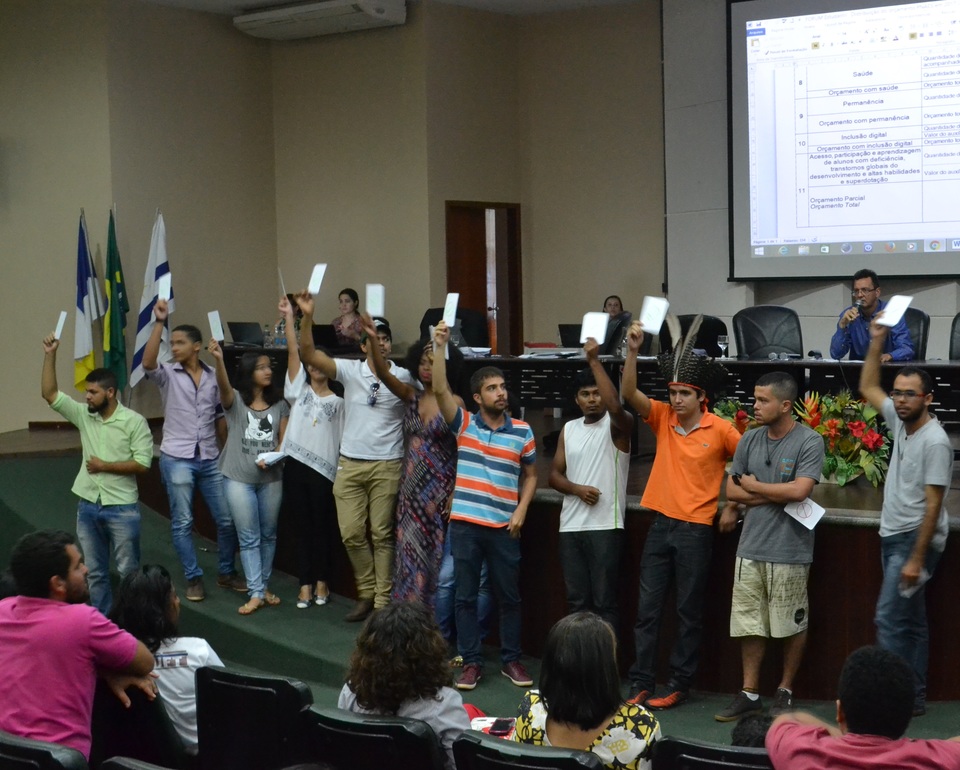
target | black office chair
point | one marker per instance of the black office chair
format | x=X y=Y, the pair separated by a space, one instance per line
x=129 y=763
x=141 y=732
x=918 y=323
x=710 y=328
x=349 y=741
x=250 y=722
x=764 y=329
x=683 y=754
x=474 y=750
x=473 y=325
x=26 y=754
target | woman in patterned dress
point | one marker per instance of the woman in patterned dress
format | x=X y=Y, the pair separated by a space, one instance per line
x=347 y=324
x=578 y=705
x=429 y=472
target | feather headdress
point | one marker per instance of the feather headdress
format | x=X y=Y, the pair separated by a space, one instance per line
x=682 y=364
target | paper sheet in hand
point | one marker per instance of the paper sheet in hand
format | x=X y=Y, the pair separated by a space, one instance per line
x=896 y=306
x=374 y=304
x=316 y=279
x=216 y=327
x=594 y=325
x=164 y=284
x=270 y=458
x=653 y=313
x=450 y=308
x=59 y=331
x=806 y=512
x=907 y=591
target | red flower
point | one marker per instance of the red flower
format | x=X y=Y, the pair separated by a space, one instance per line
x=831 y=429
x=857 y=428
x=814 y=420
x=872 y=440
x=741 y=415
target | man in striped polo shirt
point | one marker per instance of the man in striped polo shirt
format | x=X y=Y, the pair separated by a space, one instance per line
x=496 y=480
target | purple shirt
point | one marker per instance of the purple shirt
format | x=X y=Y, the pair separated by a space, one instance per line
x=189 y=412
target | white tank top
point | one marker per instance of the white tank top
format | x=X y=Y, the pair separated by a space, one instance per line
x=594 y=460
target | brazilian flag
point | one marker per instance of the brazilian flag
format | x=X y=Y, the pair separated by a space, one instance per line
x=115 y=324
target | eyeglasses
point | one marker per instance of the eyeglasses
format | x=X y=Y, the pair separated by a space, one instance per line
x=906 y=394
x=862 y=292
x=374 y=390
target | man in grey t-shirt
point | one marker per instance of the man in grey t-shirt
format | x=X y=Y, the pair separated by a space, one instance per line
x=913 y=521
x=775 y=464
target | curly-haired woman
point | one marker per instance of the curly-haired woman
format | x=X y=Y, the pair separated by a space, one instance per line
x=578 y=705
x=400 y=668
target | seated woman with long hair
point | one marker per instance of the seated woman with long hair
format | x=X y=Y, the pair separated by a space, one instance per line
x=578 y=705
x=147 y=606
x=400 y=667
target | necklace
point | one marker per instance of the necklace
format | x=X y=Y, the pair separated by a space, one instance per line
x=775 y=443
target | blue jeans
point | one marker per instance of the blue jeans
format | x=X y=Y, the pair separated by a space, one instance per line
x=471 y=545
x=446 y=589
x=180 y=476
x=591 y=570
x=256 y=510
x=902 y=623
x=677 y=551
x=100 y=529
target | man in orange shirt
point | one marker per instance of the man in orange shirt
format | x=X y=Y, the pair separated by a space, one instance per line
x=693 y=446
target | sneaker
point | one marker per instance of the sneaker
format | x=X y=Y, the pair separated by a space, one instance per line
x=516 y=673
x=456 y=661
x=739 y=706
x=360 y=611
x=783 y=702
x=195 y=592
x=638 y=695
x=919 y=709
x=471 y=674
x=232 y=581
x=674 y=698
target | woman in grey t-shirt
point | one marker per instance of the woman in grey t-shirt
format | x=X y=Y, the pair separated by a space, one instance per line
x=256 y=419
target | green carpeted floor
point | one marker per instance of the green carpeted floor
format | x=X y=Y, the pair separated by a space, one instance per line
x=314 y=645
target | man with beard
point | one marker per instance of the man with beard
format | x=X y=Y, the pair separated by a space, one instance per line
x=117 y=445
x=494 y=451
x=913 y=520
x=53 y=646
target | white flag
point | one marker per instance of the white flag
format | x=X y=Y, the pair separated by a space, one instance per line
x=156 y=266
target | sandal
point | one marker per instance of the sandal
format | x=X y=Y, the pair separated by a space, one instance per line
x=249 y=608
x=271 y=600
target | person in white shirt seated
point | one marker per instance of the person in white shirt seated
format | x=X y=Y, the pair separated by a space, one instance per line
x=148 y=607
x=400 y=668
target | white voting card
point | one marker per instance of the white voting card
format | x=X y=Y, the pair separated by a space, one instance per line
x=375 y=300
x=896 y=306
x=652 y=314
x=270 y=458
x=450 y=308
x=216 y=327
x=907 y=591
x=59 y=331
x=316 y=279
x=594 y=325
x=806 y=512
x=283 y=289
x=165 y=286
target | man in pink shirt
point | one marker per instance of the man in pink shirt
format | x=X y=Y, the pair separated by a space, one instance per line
x=53 y=646
x=873 y=710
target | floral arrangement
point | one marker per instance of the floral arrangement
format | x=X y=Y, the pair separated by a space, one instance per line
x=855 y=442
x=734 y=411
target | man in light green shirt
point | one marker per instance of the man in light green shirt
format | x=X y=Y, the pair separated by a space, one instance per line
x=117 y=444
